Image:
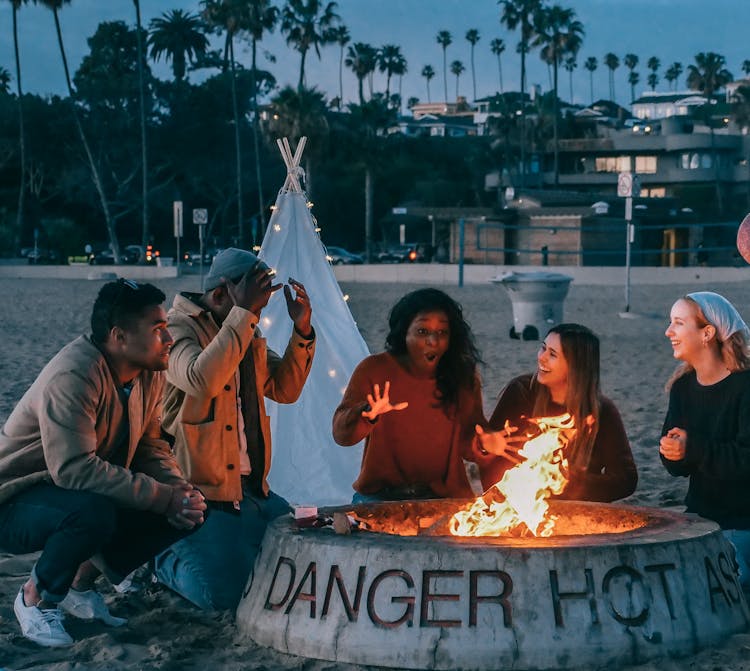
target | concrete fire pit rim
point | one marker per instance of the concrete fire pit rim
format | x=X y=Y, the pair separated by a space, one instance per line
x=664 y=525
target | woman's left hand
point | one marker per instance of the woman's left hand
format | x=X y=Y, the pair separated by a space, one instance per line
x=673 y=446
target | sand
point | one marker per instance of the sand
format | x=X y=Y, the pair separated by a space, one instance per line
x=167 y=633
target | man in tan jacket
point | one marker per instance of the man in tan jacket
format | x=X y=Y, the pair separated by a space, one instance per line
x=84 y=473
x=219 y=374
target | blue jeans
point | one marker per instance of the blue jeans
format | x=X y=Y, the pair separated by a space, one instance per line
x=740 y=539
x=71 y=526
x=211 y=567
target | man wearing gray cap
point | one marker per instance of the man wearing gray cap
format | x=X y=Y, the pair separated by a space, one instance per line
x=220 y=370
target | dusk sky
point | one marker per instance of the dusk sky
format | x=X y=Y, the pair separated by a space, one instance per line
x=668 y=29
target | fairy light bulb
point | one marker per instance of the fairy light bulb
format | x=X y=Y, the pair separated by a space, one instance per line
x=277 y=227
x=332 y=373
x=346 y=297
x=266 y=321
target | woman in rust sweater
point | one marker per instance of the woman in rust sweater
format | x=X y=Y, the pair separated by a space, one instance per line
x=416 y=404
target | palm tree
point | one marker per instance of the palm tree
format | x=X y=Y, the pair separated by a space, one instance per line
x=142 y=113
x=673 y=74
x=746 y=67
x=631 y=62
x=707 y=75
x=612 y=62
x=561 y=34
x=457 y=68
x=498 y=46
x=444 y=39
x=591 y=64
x=413 y=100
x=4 y=80
x=360 y=59
x=653 y=64
x=633 y=79
x=400 y=68
x=428 y=73
x=341 y=37
x=570 y=64
x=389 y=57
x=472 y=37
x=16 y=5
x=653 y=80
x=308 y=23
x=519 y=14
x=261 y=17
x=55 y=6
x=231 y=16
x=179 y=37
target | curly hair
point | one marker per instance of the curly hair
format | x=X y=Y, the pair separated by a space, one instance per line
x=121 y=303
x=457 y=368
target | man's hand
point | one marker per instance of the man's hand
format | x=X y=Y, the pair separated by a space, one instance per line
x=379 y=404
x=254 y=289
x=298 y=307
x=186 y=507
x=673 y=446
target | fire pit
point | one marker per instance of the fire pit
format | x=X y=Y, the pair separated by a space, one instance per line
x=613 y=584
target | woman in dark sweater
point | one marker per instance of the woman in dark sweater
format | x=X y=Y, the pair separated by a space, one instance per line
x=601 y=466
x=706 y=433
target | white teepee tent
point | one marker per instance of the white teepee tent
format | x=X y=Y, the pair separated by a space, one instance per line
x=308 y=467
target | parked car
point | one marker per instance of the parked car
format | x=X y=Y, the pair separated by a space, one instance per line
x=131 y=254
x=193 y=258
x=40 y=255
x=401 y=254
x=339 y=256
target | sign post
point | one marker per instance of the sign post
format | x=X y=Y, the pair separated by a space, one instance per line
x=625 y=189
x=200 y=219
x=177 y=220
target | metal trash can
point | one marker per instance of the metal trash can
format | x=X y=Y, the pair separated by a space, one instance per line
x=537 y=300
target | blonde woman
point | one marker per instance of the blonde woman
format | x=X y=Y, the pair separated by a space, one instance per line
x=706 y=433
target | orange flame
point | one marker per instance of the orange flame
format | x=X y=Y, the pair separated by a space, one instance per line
x=521 y=495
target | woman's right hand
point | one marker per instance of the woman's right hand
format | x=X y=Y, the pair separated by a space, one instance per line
x=379 y=404
x=500 y=443
x=673 y=446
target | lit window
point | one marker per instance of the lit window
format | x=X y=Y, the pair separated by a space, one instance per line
x=645 y=165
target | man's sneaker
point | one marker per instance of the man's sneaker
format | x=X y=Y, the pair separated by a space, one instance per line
x=89 y=605
x=44 y=627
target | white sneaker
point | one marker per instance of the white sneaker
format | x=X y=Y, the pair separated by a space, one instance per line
x=44 y=627
x=89 y=605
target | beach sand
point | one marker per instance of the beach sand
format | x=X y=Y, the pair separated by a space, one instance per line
x=165 y=632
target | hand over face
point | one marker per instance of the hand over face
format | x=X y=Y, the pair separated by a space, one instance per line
x=254 y=289
x=673 y=446
x=380 y=404
x=298 y=306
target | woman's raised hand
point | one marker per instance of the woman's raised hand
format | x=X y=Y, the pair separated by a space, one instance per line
x=500 y=443
x=379 y=404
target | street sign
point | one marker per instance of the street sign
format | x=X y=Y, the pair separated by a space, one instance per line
x=177 y=217
x=200 y=216
x=625 y=184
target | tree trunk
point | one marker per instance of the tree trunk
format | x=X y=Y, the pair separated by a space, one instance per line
x=369 y=195
x=473 y=74
x=301 y=84
x=256 y=145
x=144 y=154
x=554 y=124
x=17 y=238
x=341 y=78
x=114 y=244
x=445 y=74
x=237 y=149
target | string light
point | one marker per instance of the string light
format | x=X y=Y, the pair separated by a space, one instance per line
x=346 y=297
x=266 y=321
x=256 y=248
x=332 y=373
x=329 y=258
x=277 y=227
x=310 y=204
x=273 y=208
x=317 y=229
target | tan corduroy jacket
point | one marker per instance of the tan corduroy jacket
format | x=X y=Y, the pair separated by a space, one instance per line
x=63 y=430
x=200 y=402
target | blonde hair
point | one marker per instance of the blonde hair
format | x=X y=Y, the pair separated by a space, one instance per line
x=734 y=351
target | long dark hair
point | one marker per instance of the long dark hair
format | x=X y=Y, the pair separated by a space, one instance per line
x=457 y=368
x=580 y=347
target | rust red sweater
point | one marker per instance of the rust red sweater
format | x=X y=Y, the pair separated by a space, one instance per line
x=420 y=445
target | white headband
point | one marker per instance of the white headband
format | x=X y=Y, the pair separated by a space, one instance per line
x=720 y=313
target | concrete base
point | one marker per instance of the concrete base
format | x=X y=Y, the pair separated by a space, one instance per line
x=665 y=586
